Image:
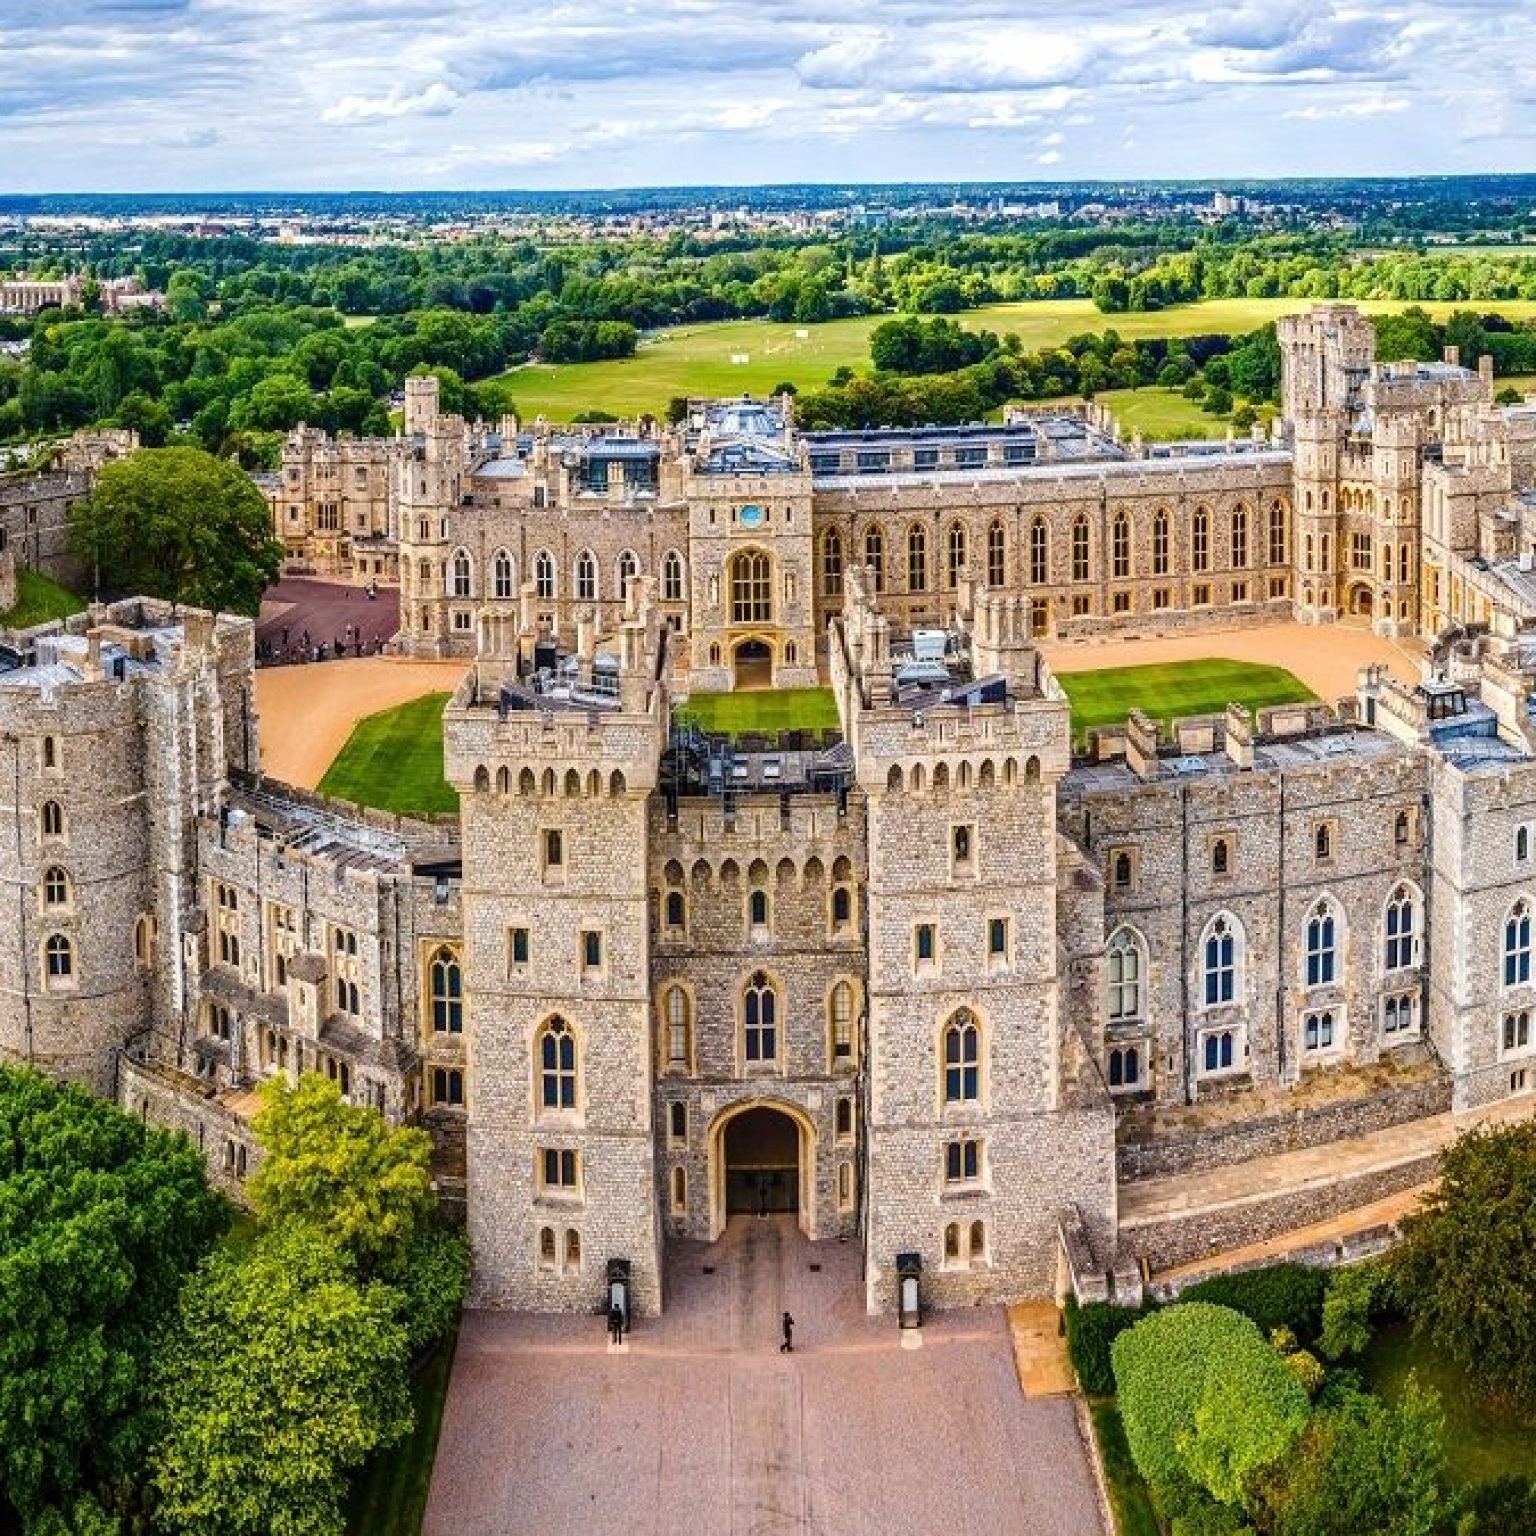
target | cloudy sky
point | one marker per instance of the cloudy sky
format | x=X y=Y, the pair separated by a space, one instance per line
x=129 y=95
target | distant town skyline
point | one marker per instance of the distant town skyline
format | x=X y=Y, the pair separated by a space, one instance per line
x=192 y=95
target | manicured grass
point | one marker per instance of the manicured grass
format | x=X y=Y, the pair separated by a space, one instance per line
x=394 y=761
x=696 y=359
x=1483 y=1441
x=389 y=1497
x=38 y=601
x=1176 y=688
x=1160 y=415
x=768 y=711
x=1130 y=1500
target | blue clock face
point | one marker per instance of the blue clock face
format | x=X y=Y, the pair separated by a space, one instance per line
x=753 y=516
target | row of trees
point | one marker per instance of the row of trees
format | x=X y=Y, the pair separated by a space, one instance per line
x=156 y=1372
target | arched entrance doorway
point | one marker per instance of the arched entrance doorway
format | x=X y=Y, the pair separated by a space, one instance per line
x=1360 y=601
x=762 y=1157
x=754 y=665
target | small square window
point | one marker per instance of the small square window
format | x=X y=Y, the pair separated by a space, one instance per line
x=560 y=1169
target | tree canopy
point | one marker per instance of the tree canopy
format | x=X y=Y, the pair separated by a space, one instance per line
x=282 y=1376
x=101 y=1219
x=1464 y=1267
x=178 y=523
x=343 y=1169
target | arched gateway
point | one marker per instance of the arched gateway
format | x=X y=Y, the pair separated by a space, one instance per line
x=762 y=1153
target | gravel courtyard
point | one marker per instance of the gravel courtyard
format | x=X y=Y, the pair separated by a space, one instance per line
x=703 y=1427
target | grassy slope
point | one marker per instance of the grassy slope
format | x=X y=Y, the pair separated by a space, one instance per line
x=1206 y=687
x=389 y=1496
x=696 y=359
x=1481 y=1442
x=38 y=601
x=783 y=709
x=394 y=761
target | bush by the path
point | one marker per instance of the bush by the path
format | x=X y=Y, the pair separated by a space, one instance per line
x=1207 y=1403
x=1280 y=1296
x=1091 y=1333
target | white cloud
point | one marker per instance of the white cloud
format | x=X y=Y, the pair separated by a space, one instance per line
x=436 y=100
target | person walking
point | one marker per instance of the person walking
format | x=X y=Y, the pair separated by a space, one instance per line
x=616 y=1323
x=788 y=1346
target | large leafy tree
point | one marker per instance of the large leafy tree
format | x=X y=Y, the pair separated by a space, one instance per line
x=1464 y=1267
x=178 y=523
x=283 y=1375
x=343 y=1169
x=1362 y=1465
x=100 y=1220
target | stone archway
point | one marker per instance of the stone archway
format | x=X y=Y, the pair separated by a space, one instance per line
x=762 y=1153
x=1361 y=601
x=752 y=664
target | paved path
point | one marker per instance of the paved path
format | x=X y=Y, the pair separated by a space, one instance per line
x=703 y=1428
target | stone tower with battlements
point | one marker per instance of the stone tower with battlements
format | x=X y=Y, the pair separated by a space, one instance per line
x=554 y=793
x=974 y=1144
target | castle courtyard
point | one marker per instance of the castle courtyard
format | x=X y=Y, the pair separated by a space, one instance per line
x=702 y=1425
x=1326 y=657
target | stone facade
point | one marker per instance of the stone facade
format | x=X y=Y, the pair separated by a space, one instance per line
x=931 y=981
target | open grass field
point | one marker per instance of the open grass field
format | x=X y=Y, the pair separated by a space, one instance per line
x=389 y=1494
x=1160 y=415
x=696 y=359
x=766 y=711
x=1165 y=692
x=39 y=600
x=1482 y=1442
x=393 y=761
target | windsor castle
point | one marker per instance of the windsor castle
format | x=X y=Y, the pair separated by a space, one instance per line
x=946 y=983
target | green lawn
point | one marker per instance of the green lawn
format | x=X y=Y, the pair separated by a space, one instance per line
x=1482 y=1442
x=1160 y=415
x=1130 y=1500
x=389 y=1497
x=394 y=761
x=1177 y=688
x=768 y=711
x=38 y=601
x=697 y=359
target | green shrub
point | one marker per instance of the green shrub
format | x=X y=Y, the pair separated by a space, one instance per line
x=1504 y=1507
x=1281 y=1296
x=1091 y=1334
x=1355 y=1296
x=1307 y=1369
x=1206 y=1402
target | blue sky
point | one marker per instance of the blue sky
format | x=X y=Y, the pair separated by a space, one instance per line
x=125 y=95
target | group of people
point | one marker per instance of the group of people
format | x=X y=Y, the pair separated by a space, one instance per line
x=275 y=651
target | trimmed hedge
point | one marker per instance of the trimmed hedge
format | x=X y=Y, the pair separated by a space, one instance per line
x=1281 y=1296
x=1091 y=1334
x=1205 y=1401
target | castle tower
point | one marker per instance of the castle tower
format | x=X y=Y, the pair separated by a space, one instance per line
x=428 y=481
x=560 y=1157
x=975 y=1148
x=109 y=748
x=1325 y=361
